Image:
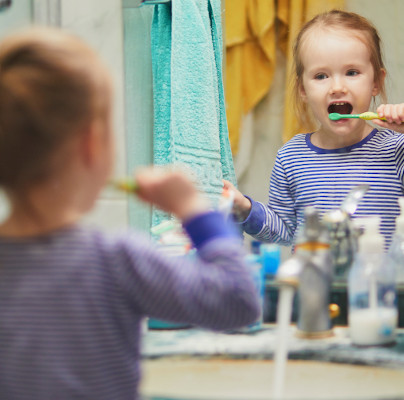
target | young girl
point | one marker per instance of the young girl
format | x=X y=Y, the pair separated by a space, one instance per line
x=72 y=298
x=338 y=69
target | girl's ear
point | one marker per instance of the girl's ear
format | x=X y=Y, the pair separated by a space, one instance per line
x=302 y=92
x=377 y=85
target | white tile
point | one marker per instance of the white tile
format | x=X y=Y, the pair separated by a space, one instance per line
x=100 y=24
x=111 y=215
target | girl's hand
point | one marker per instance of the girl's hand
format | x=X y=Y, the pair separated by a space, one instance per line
x=172 y=191
x=241 y=205
x=394 y=114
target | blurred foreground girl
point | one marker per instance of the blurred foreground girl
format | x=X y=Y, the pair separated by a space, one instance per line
x=72 y=298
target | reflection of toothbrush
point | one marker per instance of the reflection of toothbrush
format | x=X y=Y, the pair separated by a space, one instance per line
x=128 y=185
x=226 y=201
x=368 y=115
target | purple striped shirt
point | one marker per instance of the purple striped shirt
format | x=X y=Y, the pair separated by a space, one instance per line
x=71 y=305
x=305 y=175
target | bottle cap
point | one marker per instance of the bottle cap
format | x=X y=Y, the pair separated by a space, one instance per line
x=271 y=258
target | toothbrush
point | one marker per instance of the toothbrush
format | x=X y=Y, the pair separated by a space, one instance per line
x=368 y=115
x=128 y=185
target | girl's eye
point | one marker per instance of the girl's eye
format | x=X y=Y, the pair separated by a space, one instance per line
x=352 y=72
x=320 y=76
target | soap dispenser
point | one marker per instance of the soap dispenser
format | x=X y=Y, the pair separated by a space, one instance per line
x=373 y=314
x=396 y=250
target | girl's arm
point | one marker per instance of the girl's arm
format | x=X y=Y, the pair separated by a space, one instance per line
x=214 y=287
x=274 y=222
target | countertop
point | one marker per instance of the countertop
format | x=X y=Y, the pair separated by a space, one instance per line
x=261 y=344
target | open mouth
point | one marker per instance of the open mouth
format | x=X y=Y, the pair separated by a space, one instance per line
x=340 y=108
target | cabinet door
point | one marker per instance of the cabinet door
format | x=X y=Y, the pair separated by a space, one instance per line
x=17 y=16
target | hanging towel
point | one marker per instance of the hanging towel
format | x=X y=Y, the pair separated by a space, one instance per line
x=190 y=125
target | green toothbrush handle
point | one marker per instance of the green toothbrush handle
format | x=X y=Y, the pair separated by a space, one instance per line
x=337 y=116
x=366 y=116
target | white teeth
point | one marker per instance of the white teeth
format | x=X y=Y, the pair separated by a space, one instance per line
x=339 y=104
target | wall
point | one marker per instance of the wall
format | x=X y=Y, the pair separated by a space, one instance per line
x=18 y=16
x=139 y=99
x=387 y=15
x=15 y=17
x=100 y=24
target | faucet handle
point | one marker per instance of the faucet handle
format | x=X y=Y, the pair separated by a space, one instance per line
x=351 y=201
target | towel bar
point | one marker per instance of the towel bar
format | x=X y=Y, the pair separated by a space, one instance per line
x=139 y=3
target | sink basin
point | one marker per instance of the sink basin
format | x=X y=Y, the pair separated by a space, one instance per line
x=245 y=379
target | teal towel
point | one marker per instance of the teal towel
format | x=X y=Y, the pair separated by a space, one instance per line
x=190 y=126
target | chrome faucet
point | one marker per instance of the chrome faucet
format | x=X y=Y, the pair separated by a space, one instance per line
x=324 y=249
x=343 y=234
x=310 y=271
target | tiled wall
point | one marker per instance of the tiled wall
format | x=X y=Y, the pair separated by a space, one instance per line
x=99 y=22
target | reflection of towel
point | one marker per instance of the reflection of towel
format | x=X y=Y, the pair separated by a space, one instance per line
x=250 y=58
x=189 y=113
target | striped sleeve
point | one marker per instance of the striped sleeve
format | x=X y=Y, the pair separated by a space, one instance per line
x=275 y=222
x=399 y=157
x=211 y=288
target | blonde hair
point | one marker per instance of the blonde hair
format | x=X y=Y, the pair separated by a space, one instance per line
x=51 y=86
x=337 y=20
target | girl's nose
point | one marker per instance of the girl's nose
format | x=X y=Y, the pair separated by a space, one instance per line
x=337 y=86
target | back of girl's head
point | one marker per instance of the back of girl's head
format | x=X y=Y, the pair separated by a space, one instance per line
x=345 y=21
x=51 y=86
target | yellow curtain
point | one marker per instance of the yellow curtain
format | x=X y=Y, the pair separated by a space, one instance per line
x=250 y=58
x=292 y=14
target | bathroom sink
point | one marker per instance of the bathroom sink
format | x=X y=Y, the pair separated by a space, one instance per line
x=219 y=378
x=195 y=364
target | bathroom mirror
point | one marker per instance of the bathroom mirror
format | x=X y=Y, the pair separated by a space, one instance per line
x=264 y=125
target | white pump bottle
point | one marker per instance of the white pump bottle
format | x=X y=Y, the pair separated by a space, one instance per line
x=396 y=250
x=373 y=314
